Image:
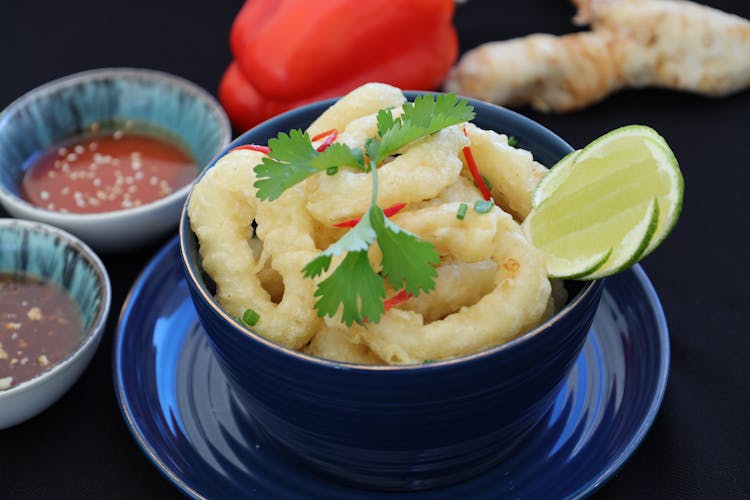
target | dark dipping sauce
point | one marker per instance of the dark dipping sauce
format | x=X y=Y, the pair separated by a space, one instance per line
x=126 y=166
x=40 y=324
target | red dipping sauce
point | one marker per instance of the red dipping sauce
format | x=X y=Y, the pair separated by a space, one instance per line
x=122 y=168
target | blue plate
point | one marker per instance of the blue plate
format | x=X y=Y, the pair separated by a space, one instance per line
x=179 y=407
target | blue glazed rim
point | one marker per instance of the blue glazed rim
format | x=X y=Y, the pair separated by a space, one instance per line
x=190 y=88
x=98 y=323
x=586 y=489
x=523 y=128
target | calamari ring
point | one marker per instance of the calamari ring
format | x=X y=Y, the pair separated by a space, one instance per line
x=359 y=130
x=512 y=172
x=331 y=342
x=517 y=302
x=421 y=173
x=222 y=208
x=457 y=284
x=364 y=100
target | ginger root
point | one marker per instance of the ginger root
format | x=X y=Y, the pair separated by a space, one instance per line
x=675 y=44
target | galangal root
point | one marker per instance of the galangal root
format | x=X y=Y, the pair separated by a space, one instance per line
x=674 y=44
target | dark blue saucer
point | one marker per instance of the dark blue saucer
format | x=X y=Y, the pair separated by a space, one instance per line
x=178 y=406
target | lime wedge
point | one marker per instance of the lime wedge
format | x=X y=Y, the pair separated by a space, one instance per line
x=557 y=174
x=618 y=197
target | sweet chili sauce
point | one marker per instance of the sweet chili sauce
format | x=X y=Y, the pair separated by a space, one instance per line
x=40 y=324
x=108 y=168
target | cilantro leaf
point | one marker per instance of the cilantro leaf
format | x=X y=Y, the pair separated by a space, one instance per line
x=358 y=238
x=407 y=260
x=425 y=116
x=293 y=159
x=354 y=285
x=338 y=155
x=287 y=164
x=385 y=121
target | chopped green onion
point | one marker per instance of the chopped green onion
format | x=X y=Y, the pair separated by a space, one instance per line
x=249 y=317
x=512 y=141
x=461 y=213
x=486 y=181
x=483 y=206
x=428 y=361
x=332 y=170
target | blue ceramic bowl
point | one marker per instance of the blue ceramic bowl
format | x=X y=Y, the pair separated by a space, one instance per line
x=398 y=427
x=43 y=251
x=69 y=106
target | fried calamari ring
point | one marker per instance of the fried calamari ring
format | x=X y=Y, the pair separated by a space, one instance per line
x=516 y=303
x=364 y=100
x=462 y=190
x=423 y=171
x=222 y=208
x=512 y=172
x=331 y=342
x=359 y=130
x=457 y=284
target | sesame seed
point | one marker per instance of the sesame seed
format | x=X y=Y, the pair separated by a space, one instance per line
x=79 y=149
x=44 y=195
x=118 y=135
x=62 y=151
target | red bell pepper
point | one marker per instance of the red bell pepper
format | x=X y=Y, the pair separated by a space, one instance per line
x=294 y=49
x=247 y=106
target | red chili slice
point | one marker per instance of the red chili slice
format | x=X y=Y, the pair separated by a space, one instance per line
x=397 y=299
x=478 y=179
x=253 y=147
x=330 y=136
x=392 y=210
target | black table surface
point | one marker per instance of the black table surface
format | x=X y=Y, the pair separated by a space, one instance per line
x=699 y=445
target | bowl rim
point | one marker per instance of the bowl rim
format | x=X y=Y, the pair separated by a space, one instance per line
x=93 y=334
x=191 y=88
x=191 y=271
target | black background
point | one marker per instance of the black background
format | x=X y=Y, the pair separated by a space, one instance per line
x=699 y=445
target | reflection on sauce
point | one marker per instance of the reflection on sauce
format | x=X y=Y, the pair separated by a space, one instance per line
x=40 y=324
x=105 y=171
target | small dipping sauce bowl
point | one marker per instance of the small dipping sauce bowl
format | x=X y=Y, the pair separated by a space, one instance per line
x=36 y=251
x=78 y=104
x=398 y=428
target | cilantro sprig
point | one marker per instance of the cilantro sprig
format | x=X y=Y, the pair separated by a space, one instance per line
x=407 y=261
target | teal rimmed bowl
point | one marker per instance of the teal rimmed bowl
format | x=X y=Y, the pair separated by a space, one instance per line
x=68 y=107
x=43 y=251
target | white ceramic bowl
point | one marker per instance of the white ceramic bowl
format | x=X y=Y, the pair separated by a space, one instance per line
x=50 y=253
x=62 y=108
